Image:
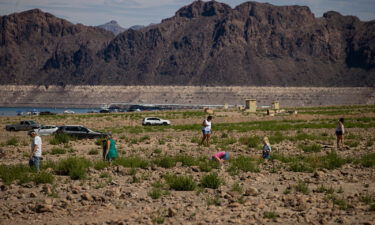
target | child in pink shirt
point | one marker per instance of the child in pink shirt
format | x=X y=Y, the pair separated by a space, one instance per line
x=221 y=156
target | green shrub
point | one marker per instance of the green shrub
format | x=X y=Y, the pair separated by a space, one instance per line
x=243 y=163
x=74 y=167
x=144 y=138
x=214 y=200
x=195 y=140
x=132 y=162
x=57 y=151
x=161 y=141
x=332 y=161
x=104 y=175
x=310 y=148
x=100 y=164
x=251 y=142
x=270 y=215
x=155 y=193
x=60 y=139
x=300 y=166
x=157 y=151
x=302 y=187
x=367 y=199
x=43 y=177
x=10 y=173
x=208 y=165
x=352 y=144
x=323 y=189
x=236 y=187
x=211 y=181
x=180 y=183
x=12 y=141
x=340 y=202
x=165 y=162
x=93 y=152
x=186 y=160
x=367 y=160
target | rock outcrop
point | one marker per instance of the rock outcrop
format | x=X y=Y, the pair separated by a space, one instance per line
x=205 y=43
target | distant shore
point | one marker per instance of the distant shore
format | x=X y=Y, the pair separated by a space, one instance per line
x=97 y=96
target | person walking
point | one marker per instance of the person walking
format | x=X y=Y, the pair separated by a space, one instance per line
x=206 y=130
x=36 y=150
x=340 y=131
x=266 y=151
x=111 y=151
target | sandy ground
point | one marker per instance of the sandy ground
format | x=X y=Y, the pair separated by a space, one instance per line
x=122 y=200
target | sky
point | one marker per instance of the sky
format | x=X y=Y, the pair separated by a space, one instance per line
x=143 y=12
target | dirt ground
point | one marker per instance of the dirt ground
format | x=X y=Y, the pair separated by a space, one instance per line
x=122 y=195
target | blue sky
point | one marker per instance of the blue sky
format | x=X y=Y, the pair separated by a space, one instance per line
x=144 y=12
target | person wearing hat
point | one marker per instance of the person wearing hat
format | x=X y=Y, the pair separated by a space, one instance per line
x=111 y=151
x=36 y=150
x=221 y=156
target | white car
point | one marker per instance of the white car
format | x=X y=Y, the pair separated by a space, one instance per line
x=155 y=121
x=68 y=112
x=46 y=129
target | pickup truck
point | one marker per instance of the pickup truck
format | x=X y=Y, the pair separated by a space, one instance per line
x=23 y=125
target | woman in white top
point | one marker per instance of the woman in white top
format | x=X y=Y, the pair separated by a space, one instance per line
x=206 y=130
x=340 y=131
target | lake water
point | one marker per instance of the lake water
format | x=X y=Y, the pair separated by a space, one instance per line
x=12 y=111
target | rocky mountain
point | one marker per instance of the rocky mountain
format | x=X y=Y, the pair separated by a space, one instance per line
x=112 y=26
x=205 y=43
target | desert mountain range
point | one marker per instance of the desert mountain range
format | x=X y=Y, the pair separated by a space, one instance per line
x=203 y=44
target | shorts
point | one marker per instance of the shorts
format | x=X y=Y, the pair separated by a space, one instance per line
x=206 y=131
x=338 y=133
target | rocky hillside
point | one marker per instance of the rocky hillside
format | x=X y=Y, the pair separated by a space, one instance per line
x=112 y=26
x=205 y=43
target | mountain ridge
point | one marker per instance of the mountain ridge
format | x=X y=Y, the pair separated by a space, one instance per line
x=204 y=43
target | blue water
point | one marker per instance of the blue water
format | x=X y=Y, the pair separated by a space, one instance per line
x=12 y=111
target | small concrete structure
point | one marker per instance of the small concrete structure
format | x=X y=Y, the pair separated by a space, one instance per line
x=226 y=106
x=251 y=105
x=209 y=111
x=275 y=105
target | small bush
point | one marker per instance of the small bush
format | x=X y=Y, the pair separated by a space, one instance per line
x=74 y=167
x=60 y=139
x=208 y=165
x=270 y=215
x=310 y=148
x=161 y=141
x=144 y=138
x=99 y=165
x=155 y=193
x=332 y=161
x=302 y=187
x=43 y=177
x=236 y=187
x=165 y=162
x=180 y=183
x=195 y=140
x=340 y=202
x=157 y=151
x=300 y=166
x=214 y=200
x=211 y=181
x=323 y=189
x=186 y=160
x=132 y=162
x=104 y=175
x=57 y=151
x=243 y=163
x=12 y=141
x=367 y=199
x=251 y=142
x=10 y=173
x=93 y=152
x=352 y=144
x=367 y=160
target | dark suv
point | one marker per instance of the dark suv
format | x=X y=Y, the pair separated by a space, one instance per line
x=79 y=132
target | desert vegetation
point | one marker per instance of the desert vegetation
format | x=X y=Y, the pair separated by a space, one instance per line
x=163 y=176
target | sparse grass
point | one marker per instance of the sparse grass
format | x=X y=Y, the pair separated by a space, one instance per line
x=340 y=202
x=186 y=160
x=100 y=164
x=57 y=151
x=367 y=160
x=211 y=181
x=132 y=162
x=352 y=143
x=310 y=148
x=74 y=167
x=215 y=200
x=369 y=143
x=157 y=151
x=43 y=177
x=208 y=165
x=270 y=215
x=23 y=174
x=180 y=183
x=236 y=187
x=93 y=152
x=302 y=187
x=155 y=193
x=367 y=199
x=251 y=142
x=60 y=139
x=165 y=162
x=325 y=190
x=13 y=141
x=104 y=175
x=242 y=163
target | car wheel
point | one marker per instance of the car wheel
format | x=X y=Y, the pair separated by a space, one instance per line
x=12 y=129
x=148 y=124
x=165 y=123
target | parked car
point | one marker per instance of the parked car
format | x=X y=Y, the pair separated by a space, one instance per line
x=69 y=111
x=46 y=129
x=46 y=113
x=79 y=131
x=23 y=125
x=155 y=121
